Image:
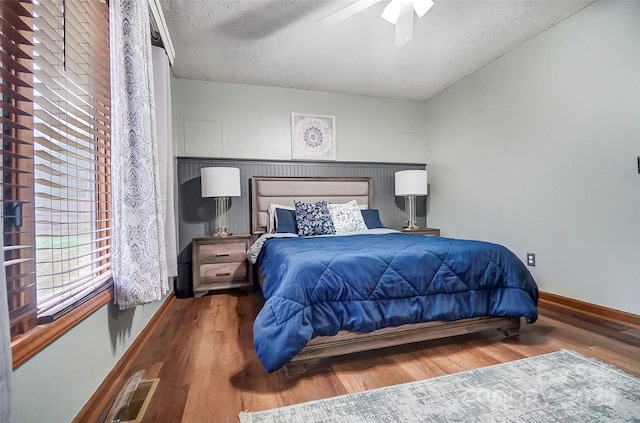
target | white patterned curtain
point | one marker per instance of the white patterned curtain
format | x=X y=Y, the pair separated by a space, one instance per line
x=139 y=253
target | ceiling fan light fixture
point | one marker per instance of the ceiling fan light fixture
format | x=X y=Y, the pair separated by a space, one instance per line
x=391 y=13
x=404 y=26
x=422 y=6
x=397 y=12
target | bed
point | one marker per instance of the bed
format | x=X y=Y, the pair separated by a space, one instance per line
x=375 y=301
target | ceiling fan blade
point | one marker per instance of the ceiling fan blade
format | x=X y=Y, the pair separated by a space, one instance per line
x=392 y=11
x=348 y=11
x=422 y=6
x=404 y=26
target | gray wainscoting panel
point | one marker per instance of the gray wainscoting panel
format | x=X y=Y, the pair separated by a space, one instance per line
x=196 y=214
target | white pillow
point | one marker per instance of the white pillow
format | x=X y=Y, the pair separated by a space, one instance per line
x=347 y=217
x=272 y=224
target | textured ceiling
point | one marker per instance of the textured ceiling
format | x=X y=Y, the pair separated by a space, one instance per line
x=280 y=43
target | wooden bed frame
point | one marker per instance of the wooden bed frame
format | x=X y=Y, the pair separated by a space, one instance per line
x=284 y=190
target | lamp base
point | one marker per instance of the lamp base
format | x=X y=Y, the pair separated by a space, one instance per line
x=410 y=207
x=411 y=225
x=222 y=205
x=221 y=232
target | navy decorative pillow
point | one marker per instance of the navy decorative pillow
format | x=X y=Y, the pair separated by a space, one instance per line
x=271 y=216
x=286 y=221
x=372 y=218
x=313 y=219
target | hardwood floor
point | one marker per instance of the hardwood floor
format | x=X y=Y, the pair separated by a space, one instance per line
x=203 y=354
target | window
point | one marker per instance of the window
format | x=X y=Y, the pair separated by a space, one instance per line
x=56 y=156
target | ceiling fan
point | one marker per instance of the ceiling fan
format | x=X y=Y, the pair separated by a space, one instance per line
x=398 y=12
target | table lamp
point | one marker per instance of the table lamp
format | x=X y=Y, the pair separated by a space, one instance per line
x=410 y=184
x=220 y=183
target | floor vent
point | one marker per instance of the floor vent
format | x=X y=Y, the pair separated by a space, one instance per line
x=133 y=400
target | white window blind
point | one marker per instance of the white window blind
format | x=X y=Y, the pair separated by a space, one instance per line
x=71 y=153
x=55 y=104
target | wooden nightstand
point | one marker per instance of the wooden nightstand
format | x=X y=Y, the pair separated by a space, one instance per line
x=220 y=263
x=422 y=231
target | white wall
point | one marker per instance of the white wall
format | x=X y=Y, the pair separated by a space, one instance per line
x=538 y=151
x=55 y=384
x=244 y=121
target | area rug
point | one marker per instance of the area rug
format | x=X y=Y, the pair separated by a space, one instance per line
x=563 y=386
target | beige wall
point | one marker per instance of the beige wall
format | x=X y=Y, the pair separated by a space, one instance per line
x=244 y=121
x=538 y=151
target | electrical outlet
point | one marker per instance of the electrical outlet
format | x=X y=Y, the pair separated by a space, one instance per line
x=531 y=259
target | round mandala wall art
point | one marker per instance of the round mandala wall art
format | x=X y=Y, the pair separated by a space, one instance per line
x=313 y=137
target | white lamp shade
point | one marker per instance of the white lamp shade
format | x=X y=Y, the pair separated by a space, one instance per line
x=220 y=181
x=411 y=182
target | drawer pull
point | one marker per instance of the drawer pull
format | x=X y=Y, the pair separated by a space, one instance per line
x=222 y=254
x=223 y=274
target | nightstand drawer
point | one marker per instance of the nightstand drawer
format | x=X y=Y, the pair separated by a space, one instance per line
x=222 y=272
x=222 y=253
x=220 y=263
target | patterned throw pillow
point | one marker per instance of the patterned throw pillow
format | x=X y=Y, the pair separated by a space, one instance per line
x=347 y=217
x=313 y=219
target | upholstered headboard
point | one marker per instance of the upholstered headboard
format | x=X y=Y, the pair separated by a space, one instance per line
x=284 y=190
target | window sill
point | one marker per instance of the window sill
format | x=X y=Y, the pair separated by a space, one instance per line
x=26 y=346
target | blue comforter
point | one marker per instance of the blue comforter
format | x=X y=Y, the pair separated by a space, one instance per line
x=318 y=286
